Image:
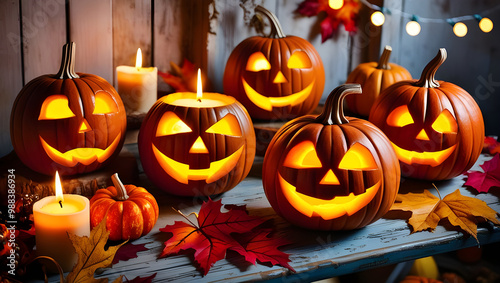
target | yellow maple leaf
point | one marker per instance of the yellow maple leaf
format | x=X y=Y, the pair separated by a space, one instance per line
x=92 y=255
x=462 y=211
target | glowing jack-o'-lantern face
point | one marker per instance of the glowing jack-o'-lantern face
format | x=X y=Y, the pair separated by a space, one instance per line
x=331 y=197
x=331 y=172
x=196 y=150
x=281 y=77
x=432 y=152
x=435 y=127
x=69 y=122
x=56 y=107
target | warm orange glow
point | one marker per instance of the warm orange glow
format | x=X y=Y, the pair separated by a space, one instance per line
x=83 y=155
x=299 y=60
x=303 y=155
x=423 y=135
x=486 y=25
x=55 y=107
x=445 y=123
x=330 y=179
x=433 y=159
x=400 y=117
x=257 y=62
x=460 y=29
x=327 y=209
x=335 y=4
x=358 y=157
x=138 y=59
x=280 y=78
x=198 y=146
x=228 y=126
x=104 y=103
x=199 y=89
x=84 y=127
x=182 y=173
x=171 y=124
x=58 y=186
x=267 y=103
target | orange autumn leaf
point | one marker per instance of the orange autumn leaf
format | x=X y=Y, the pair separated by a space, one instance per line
x=461 y=211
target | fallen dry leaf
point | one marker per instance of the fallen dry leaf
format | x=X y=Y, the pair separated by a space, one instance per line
x=461 y=211
x=483 y=181
x=92 y=255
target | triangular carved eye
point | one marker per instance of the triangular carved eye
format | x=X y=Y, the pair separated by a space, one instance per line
x=400 y=117
x=171 y=124
x=228 y=126
x=257 y=62
x=445 y=123
x=358 y=157
x=55 y=107
x=104 y=103
x=299 y=60
x=303 y=155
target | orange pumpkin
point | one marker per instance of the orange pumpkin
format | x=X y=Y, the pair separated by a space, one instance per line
x=435 y=127
x=374 y=78
x=193 y=150
x=331 y=172
x=276 y=77
x=130 y=211
x=70 y=122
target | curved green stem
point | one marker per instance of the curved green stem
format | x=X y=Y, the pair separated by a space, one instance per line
x=333 y=113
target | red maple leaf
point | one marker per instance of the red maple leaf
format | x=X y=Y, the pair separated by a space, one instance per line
x=483 y=181
x=347 y=15
x=215 y=232
x=138 y=279
x=491 y=145
x=128 y=251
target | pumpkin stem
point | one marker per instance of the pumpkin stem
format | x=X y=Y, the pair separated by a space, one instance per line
x=276 y=30
x=333 y=113
x=67 y=69
x=383 y=62
x=120 y=188
x=427 y=78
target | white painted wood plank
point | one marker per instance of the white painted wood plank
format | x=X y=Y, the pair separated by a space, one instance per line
x=91 y=29
x=11 y=67
x=44 y=34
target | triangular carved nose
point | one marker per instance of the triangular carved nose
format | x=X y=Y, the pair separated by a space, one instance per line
x=330 y=179
x=198 y=146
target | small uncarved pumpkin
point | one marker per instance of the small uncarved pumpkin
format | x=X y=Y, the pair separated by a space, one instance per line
x=69 y=122
x=130 y=211
x=374 y=78
x=275 y=77
x=331 y=172
x=436 y=127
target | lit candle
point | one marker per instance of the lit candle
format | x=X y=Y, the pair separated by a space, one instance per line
x=55 y=217
x=137 y=86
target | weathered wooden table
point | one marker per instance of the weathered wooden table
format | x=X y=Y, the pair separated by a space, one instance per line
x=314 y=255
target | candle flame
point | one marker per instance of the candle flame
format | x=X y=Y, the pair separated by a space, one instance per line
x=199 y=91
x=138 y=59
x=59 y=192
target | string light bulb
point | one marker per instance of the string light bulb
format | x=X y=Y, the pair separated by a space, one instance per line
x=485 y=24
x=335 y=4
x=459 y=29
x=413 y=27
x=377 y=18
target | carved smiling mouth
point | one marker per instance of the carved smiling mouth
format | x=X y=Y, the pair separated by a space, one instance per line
x=267 y=103
x=327 y=209
x=182 y=173
x=83 y=155
x=433 y=159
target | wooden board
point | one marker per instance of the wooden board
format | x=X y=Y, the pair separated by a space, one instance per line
x=315 y=255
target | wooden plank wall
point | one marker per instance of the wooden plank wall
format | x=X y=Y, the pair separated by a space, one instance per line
x=473 y=60
x=108 y=32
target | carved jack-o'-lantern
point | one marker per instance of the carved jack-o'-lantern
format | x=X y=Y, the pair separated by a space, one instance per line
x=331 y=172
x=277 y=77
x=436 y=127
x=190 y=147
x=73 y=123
